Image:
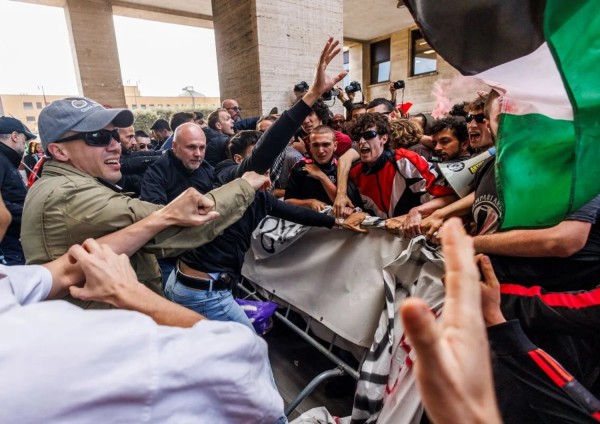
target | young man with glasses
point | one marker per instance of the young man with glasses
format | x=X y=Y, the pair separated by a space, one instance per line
x=480 y=137
x=77 y=198
x=390 y=182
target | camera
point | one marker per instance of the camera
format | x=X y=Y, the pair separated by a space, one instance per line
x=399 y=84
x=330 y=95
x=301 y=87
x=353 y=87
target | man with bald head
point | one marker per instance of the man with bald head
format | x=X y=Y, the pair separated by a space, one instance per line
x=179 y=168
x=235 y=111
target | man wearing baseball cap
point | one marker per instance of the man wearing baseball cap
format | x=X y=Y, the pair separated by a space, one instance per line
x=76 y=197
x=13 y=138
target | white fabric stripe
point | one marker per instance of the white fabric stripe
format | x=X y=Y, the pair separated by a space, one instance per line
x=534 y=85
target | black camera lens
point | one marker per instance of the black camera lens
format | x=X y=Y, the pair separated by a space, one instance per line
x=399 y=84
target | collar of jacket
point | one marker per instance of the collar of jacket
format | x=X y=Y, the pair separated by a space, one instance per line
x=54 y=168
x=379 y=163
x=12 y=155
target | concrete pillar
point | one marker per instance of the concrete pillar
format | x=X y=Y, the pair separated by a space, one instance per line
x=95 y=54
x=265 y=47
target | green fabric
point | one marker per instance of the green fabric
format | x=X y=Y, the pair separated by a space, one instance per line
x=547 y=169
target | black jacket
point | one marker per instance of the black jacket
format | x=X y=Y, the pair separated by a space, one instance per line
x=269 y=146
x=167 y=178
x=216 y=146
x=13 y=193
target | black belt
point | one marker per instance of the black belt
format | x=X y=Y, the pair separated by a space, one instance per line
x=223 y=282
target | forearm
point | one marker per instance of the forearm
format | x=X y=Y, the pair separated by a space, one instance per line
x=344 y=165
x=302 y=216
x=329 y=187
x=434 y=204
x=299 y=202
x=459 y=208
x=562 y=240
x=274 y=140
x=164 y=312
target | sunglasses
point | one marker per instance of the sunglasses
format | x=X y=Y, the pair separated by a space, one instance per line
x=143 y=146
x=367 y=135
x=100 y=138
x=236 y=108
x=478 y=118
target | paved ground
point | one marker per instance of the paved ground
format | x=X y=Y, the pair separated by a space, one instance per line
x=295 y=363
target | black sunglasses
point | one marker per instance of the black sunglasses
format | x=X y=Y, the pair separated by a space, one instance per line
x=478 y=118
x=236 y=108
x=367 y=135
x=100 y=138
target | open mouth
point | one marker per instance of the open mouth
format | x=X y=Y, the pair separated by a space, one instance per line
x=365 y=150
x=112 y=162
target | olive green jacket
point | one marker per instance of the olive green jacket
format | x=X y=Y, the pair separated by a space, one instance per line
x=67 y=206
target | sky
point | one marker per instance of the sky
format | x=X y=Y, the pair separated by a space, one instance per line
x=37 y=53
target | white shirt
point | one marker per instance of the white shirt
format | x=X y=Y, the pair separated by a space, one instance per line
x=62 y=364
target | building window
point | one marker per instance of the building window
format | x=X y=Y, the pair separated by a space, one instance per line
x=30 y=118
x=150 y=105
x=38 y=105
x=27 y=105
x=346 y=80
x=380 y=61
x=423 y=57
x=133 y=107
x=143 y=106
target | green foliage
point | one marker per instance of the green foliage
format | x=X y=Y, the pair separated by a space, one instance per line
x=144 y=118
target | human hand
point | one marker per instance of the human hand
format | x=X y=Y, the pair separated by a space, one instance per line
x=394 y=225
x=316 y=205
x=108 y=277
x=431 y=226
x=351 y=96
x=299 y=146
x=313 y=171
x=323 y=82
x=341 y=203
x=342 y=95
x=353 y=221
x=392 y=89
x=412 y=224
x=453 y=368
x=257 y=181
x=188 y=209
x=490 y=292
x=347 y=212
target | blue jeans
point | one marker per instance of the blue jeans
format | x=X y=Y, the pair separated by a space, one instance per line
x=217 y=305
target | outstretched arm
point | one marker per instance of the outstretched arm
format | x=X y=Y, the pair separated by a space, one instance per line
x=341 y=199
x=109 y=278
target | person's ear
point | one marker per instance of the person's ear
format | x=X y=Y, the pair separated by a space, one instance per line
x=237 y=158
x=57 y=152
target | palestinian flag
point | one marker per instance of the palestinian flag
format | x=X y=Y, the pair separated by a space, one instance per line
x=545 y=57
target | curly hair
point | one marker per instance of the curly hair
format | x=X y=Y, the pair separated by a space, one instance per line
x=458 y=126
x=368 y=120
x=404 y=133
x=322 y=111
x=477 y=104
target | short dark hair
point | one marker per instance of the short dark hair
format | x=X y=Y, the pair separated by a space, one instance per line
x=141 y=133
x=179 y=118
x=213 y=118
x=368 y=120
x=322 y=111
x=240 y=142
x=458 y=126
x=323 y=129
x=381 y=101
x=459 y=109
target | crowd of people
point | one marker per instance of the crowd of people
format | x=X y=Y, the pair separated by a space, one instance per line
x=155 y=227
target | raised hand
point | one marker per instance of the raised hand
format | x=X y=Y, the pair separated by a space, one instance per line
x=323 y=82
x=453 y=366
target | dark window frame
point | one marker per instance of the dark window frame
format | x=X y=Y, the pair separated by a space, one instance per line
x=380 y=55
x=418 y=48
